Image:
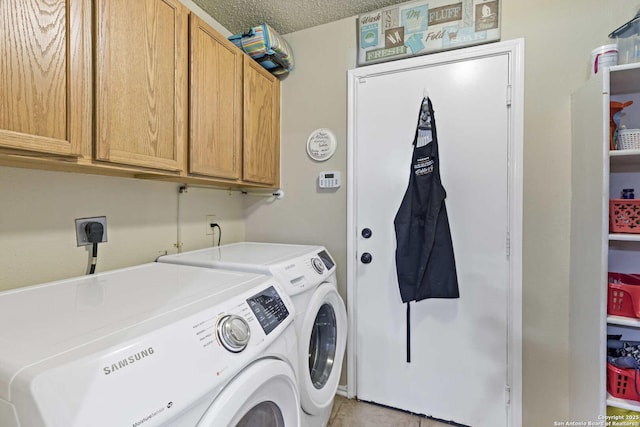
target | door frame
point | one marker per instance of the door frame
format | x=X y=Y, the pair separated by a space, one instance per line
x=515 y=50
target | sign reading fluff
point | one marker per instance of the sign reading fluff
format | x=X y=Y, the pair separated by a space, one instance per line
x=421 y=27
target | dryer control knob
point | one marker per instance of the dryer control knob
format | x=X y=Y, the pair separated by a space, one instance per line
x=234 y=333
x=318 y=265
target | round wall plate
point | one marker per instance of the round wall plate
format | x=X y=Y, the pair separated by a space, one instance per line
x=321 y=144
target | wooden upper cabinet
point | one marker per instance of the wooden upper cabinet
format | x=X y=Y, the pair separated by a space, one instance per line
x=215 y=128
x=45 y=76
x=261 y=153
x=141 y=82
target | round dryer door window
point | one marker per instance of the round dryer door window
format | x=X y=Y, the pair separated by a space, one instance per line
x=322 y=346
x=322 y=338
x=265 y=414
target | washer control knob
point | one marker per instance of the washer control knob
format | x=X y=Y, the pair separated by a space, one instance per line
x=234 y=333
x=318 y=265
x=366 y=258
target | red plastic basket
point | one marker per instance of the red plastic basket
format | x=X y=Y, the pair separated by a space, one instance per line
x=624 y=216
x=620 y=383
x=624 y=295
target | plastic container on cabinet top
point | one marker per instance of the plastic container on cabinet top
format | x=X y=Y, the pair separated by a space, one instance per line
x=603 y=57
x=627 y=38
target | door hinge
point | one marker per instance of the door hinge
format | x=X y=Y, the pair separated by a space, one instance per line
x=507 y=395
x=508 y=244
x=508 y=95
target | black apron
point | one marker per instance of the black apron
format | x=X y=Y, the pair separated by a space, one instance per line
x=425 y=262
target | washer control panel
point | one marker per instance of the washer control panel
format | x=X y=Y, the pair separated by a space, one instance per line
x=305 y=271
x=269 y=309
x=326 y=259
x=317 y=264
x=233 y=332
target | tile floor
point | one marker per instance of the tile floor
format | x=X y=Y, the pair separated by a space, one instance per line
x=351 y=413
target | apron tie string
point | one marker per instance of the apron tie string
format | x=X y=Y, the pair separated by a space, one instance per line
x=408 y=333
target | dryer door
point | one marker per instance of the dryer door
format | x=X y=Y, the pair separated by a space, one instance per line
x=322 y=343
x=264 y=394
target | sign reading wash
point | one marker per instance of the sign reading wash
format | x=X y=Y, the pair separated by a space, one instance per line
x=420 y=27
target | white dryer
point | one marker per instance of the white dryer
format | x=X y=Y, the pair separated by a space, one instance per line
x=307 y=274
x=153 y=345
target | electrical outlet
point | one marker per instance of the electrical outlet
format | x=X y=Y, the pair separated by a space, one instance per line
x=81 y=235
x=211 y=219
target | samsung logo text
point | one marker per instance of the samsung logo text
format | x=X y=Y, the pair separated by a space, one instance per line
x=127 y=361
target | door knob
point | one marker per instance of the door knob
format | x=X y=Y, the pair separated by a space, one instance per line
x=366 y=258
x=366 y=233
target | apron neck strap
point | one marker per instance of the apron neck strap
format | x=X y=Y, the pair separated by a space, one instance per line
x=426 y=123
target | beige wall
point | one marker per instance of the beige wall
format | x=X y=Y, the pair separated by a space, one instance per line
x=559 y=37
x=37 y=227
x=38 y=209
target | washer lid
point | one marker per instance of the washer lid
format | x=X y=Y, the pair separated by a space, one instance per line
x=44 y=321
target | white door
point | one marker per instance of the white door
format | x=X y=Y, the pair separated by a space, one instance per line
x=460 y=347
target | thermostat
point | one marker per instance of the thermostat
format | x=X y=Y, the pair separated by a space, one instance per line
x=329 y=179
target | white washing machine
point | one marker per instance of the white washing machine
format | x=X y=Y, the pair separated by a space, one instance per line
x=307 y=274
x=153 y=345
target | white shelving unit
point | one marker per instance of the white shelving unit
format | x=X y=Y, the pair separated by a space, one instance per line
x=598 y=175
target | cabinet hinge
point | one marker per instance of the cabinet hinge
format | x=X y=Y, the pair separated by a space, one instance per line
x=508 y=95
x=507 y=395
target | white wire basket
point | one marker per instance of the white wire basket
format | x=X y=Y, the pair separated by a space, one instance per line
x=628 y=139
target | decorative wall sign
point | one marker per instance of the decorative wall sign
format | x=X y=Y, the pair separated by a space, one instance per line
x=421 y=27
x=321 y=144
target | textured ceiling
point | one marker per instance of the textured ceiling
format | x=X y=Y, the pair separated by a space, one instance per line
x=285 y=16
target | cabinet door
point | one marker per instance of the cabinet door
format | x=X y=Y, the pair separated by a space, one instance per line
x=215 y=133
x=261 y=142
x=45 y=76
x=141 y=82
